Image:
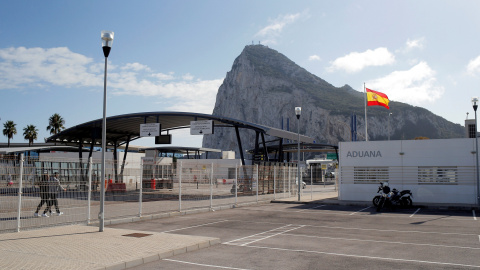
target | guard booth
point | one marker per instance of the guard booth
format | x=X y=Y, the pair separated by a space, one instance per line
x=157 y=173
x=320 y=170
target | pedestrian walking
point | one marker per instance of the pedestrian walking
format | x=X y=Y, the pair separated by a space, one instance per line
x=53 y=188
x=44 y=193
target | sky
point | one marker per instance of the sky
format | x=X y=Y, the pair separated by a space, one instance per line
x=174 y=55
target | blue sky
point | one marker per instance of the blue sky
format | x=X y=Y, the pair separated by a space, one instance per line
x=173 y=55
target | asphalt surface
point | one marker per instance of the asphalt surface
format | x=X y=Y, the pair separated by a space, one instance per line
x=323 y=236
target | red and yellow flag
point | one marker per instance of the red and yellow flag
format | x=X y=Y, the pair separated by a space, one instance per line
x=376 y=98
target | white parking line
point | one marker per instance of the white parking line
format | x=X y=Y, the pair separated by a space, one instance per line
x=415 y=212
x=196 y=226
x=377 y=241
x=207 y=265
x=263 y=235
x=366 y=257
x=311 y=208
x=360 y=210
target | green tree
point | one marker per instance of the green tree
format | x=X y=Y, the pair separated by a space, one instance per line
x=55 y=124
x=30 y=133
x=9 y=130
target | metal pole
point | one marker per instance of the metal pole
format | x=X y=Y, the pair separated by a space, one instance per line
x=476 y=154
x=180 y=189
x=89 y=193
x=20 y=184
x=236 y=182
x=256 y=179
x=211 y=189
x=389 y=128
x=274 y=180
x=101 y=215
x=140 y=195
x=311 y=182
x=298 y=162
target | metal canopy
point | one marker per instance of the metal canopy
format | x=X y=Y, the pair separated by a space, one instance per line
x=40 y=149
x=182 y=149
x=124 y=128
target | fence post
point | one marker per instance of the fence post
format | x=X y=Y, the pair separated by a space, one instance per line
x=284 y=176
x=211 y=189
x=180 y=188
x=311 y=183
x=236 y=182
x=256 y=167
x=89 y=194
x=274 y=180
x=289 y=184
x=20 y=193
x=141 y=192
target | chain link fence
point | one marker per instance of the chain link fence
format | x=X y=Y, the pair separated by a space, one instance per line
x=29 y=197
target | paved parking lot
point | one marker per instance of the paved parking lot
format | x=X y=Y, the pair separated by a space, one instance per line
x=316 y=236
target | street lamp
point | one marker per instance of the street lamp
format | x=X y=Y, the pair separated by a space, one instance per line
x=107 y=40
x=475 y=106
x=298 y=112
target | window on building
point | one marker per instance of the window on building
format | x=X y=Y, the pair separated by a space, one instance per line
x=370 y=175
x=437 y=175
x=471 y=131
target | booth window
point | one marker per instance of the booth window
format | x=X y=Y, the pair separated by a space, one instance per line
x=437 y=175
x=370 y=175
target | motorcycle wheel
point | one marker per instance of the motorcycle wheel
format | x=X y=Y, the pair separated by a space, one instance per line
x=375 y=200
x=408 y=202
x=380 y=204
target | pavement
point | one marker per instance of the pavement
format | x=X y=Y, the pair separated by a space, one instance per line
x=84 y=247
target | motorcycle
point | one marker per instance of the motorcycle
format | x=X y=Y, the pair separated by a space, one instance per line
x=392 y=198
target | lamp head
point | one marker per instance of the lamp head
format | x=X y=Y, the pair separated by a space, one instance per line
x=475 y=103
x=298 y=112
x=107 y=41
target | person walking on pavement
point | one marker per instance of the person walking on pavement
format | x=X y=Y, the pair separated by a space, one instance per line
x=53 y=187
x=44 y=193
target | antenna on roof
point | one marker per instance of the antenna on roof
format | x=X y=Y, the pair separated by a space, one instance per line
x=467 y=116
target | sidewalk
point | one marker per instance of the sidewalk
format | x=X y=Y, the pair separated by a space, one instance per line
x=84 y=247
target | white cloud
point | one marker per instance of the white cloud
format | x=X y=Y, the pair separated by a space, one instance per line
x=473 y=66
x=414 y=86
x=416 y=43
x=356 y=61
x=41 y=68
x=135 y=67
x=188 y=77
x=163 y=76
x=270 y=32
x=57 y=66
x=314 y=58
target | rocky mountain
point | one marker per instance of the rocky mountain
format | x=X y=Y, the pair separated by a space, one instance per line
x=264 y=87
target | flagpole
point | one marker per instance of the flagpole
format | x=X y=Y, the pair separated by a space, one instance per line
x=366 y=124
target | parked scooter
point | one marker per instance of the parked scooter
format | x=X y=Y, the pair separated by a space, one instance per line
x=392 y=198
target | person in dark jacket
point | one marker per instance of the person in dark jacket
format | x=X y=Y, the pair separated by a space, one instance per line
x=43 y=186
x=53 y=188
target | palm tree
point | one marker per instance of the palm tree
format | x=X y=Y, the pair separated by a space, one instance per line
x=30 y=133
x=9 y=130
x=55 y=124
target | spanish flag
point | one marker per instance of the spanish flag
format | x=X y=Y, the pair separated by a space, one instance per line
x=376 y=98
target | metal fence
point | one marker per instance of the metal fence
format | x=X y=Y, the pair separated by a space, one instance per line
x=136 y=191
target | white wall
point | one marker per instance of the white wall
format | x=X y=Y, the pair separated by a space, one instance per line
x=402 y=160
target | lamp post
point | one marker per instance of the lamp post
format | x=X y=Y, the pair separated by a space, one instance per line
x=389 y=127
x=298 y=112
x=475 y=106
x=107 y=40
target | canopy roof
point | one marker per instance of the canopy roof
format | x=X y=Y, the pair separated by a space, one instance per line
x=124 y=128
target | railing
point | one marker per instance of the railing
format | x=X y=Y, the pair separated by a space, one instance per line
x=139 y=192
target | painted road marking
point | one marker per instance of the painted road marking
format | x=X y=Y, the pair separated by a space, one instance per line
x=206 y=224
x=360 y=210
x=311 y=208
x=366 y=257
x=207 y=265
x=474 y=217
x=415 y=212
x=377 y=241
x=263 y=235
